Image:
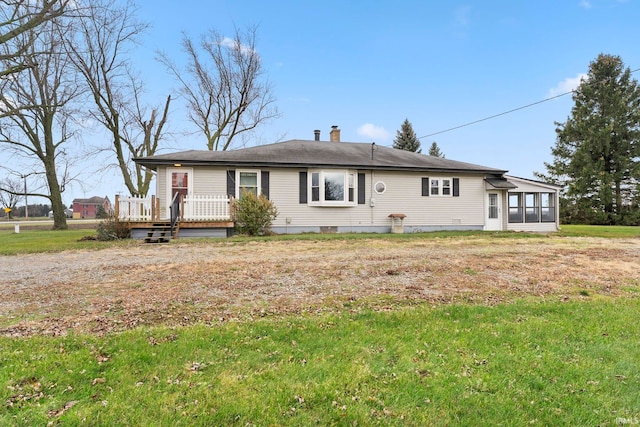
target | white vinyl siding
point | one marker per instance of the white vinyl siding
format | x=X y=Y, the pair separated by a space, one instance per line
x=403 y=194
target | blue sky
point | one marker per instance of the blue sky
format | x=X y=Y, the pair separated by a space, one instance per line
x=367 y=65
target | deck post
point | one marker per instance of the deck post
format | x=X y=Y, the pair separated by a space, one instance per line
x=117 y=211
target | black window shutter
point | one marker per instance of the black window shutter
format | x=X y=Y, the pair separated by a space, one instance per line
x=456 y=187
x=425 y=186
x=303 y=187
x=231 y=183
x=361 y=189
x=264 y=183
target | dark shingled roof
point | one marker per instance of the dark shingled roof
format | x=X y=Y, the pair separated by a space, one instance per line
x=304 y=154
x=501 y=183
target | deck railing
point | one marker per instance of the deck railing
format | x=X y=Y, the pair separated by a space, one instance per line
x=204 y=207
x=194 y=207
x=134 y=208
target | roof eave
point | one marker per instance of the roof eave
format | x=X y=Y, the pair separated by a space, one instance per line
x=190 y=163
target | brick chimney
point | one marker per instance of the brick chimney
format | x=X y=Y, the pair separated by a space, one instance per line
x=316 y=135
x=334 y=135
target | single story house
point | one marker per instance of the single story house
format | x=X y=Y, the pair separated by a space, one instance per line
x=332 y=186
x=88 y=208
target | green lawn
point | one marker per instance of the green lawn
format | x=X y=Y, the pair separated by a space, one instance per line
x=533 y=362
x=539 y=362
x=617 y=231
x=32 y=241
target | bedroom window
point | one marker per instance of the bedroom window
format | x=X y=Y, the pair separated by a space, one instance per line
x=447 y=187
x=435 y=187
x=247 y=181
x=332 y=188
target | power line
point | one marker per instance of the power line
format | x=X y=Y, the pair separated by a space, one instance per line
x=506 y=112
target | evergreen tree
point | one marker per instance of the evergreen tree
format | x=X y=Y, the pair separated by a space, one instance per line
x=406 y=138
x=597 y=151
x=434 y=150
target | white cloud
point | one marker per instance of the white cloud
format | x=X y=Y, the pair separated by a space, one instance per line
x=373 y=132
x=461 y=16
x=567 y=85
x=586 y=4
x=233 y=44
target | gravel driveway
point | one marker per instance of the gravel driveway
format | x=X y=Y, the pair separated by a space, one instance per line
x=99 y=291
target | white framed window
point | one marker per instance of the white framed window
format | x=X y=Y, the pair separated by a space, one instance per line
x=441 y=187
x=547 y=204
x=531 y=207
x=380 y=187
x=493 y=206
x=332 y=187
x=247 y=180
x=435 y=187
x=446 y=187
x=515 y=207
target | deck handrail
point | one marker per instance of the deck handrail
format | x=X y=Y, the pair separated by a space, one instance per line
x=175 y=210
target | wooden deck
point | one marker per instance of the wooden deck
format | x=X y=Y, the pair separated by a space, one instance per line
x=197 y=216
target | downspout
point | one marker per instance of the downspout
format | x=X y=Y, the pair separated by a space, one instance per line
x=371 y=199
x=557 y=197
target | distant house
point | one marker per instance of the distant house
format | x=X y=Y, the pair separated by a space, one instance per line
x=88 y=208
x=322 y=186
x=67 y=212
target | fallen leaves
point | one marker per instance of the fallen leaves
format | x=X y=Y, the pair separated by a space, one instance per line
x=186 y=283
x=58 y=412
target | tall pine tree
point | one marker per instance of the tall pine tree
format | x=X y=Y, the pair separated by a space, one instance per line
x=597 y=150
x=406 y=138
x=434 y=150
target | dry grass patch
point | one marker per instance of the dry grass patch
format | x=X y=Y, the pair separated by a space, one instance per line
x=203 y=281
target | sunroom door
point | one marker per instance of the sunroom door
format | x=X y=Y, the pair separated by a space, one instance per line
x=494 y=211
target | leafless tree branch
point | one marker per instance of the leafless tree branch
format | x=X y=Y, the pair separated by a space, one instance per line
x=225 y=87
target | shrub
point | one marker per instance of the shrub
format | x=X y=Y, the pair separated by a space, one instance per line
x=101 y=212
x=254 y=214
x=110 y=229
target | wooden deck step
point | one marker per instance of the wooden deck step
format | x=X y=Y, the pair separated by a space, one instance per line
x=159 y=232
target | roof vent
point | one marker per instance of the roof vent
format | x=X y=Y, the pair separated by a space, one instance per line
x=316 y=134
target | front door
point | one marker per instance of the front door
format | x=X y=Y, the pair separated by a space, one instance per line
x=494 y=211
x=179 y=181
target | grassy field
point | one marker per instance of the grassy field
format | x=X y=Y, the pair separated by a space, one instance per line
x=565 y=358
x=532 y=362
x=36 y=240
x=600 y=231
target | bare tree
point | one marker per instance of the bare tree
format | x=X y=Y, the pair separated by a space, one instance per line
x=106 y=32
x=225 y=87
x=18 y=17
x=40 y=131
x=10 y=190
